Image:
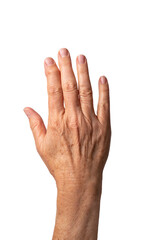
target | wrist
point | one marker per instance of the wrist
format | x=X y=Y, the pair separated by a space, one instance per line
x=77 y=196
x=78 y=210
x=91 y=186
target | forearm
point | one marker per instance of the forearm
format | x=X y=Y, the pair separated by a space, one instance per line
x=78 y=212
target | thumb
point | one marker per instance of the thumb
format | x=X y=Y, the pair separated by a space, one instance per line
x=36 y=124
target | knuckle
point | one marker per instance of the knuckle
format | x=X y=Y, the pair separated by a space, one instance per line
x=66 y=63
x=72 y=122
x=52 y=70
x=99 y=133
x=70 y=87
x=104 y=106
x=54 y=90
x=53 y=123
x=35 y=124
x=86 y=92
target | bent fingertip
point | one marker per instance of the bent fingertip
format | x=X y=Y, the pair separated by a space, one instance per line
x=81 y=59
x=103 y=80
x=49 y=61
x=63 y=52
x=27 y=112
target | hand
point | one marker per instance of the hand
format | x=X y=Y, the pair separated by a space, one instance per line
x=75 y=145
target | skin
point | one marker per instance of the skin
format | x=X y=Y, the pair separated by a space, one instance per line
x=75 y=145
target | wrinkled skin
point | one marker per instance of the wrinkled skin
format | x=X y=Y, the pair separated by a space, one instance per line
x=80 y=148
x=76 y=143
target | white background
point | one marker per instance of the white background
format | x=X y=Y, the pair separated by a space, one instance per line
x=121 y=39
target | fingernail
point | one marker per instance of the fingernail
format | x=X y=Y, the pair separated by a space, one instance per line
x=81 y=59
x=49 y=61
x=63 y=52
x=27 y=112
x=103 y=79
